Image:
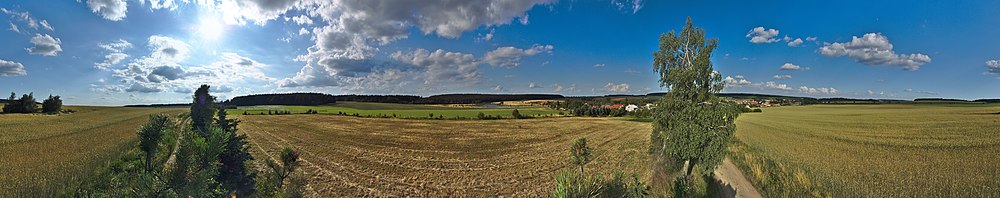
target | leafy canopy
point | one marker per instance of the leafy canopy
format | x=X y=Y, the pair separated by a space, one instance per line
x=690 y=123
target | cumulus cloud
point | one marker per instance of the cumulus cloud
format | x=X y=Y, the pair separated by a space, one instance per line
x=599 y=65
x=620 y=87
x=116 y=53
x=511 y=56
x=740 y=81
x=161 y=69
x=760 y=35
x=441 y=65
x=302 y=20
x=11 y=68
x=113 y=10
x=993 y=67
x=811 y=38
x=45 y=45
x=795 y=43
x=534 y=85
x=736 y=81
x=782 y=76
x=874 y=49
x=790 y=66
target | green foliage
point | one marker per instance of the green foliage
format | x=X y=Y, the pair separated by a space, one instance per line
x=52 y=105
x=683 y=62
x=681 y=188
x=202 y=110
x=26 y=104
x=690 y=122
x=572 y=184
x=272 y=185
x=234 y=173
x=580 y=153
x=516 y=114
x=150 y=135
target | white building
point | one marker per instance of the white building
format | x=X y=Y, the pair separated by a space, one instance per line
x=631 y=108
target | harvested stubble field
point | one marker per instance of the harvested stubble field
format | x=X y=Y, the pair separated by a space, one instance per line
x=42 y=153
x=884 y=150
x=349 y=156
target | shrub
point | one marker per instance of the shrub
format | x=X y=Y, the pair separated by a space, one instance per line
x=580 y=153
x=516 y=114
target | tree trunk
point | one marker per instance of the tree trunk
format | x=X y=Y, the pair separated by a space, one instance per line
x=690 y=166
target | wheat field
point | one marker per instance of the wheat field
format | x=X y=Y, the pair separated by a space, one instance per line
x=43 y=154
x=872 y=150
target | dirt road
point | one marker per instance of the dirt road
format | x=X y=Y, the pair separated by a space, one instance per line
x=737 y=183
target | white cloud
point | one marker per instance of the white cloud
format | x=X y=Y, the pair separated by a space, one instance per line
x=45 y=24
x=534 y=85
x=22 y=17
x=811 y=38
x=302 y=20
x=786 y=76
x=113 y=10
x=599 y=65
x=441 y=65
x=14 y=28
x=116 y=53
x=821 y=90
x=498 y=88
x=736 y=81
x=161 y=69
x=993 y=67
x=740 y=81
x=511 y=56
x=488 y=36
x=874 y=49
x=620 y=87
x=45 y=45
x=760 y=35
x=795 y=43
x=11 y=68
x=790 y=66
x=560 y=89
x=631 y=5
x=303 y=31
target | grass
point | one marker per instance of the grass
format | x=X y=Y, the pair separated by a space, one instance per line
x=351 y=156
x=366 y=109
x=947 y=150
x=43 y=153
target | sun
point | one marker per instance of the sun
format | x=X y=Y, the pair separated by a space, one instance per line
x=210 y=28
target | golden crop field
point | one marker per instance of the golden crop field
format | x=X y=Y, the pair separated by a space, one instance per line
x=350 y=156
x=884 y=150
x=39 y=154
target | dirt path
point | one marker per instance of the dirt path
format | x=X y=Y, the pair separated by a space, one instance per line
x=733 y=178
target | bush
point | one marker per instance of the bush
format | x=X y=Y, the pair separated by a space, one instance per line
x=570 y=183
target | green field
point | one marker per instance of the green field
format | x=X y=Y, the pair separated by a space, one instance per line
x=400 y=110
x=878 y=150
x=40 y=154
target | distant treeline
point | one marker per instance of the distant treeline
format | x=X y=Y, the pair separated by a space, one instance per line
x=312 y=99
x=322 y=99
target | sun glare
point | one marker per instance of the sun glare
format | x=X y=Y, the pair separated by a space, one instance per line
x=210 y=28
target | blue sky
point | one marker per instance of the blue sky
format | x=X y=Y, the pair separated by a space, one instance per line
x=114 y=52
